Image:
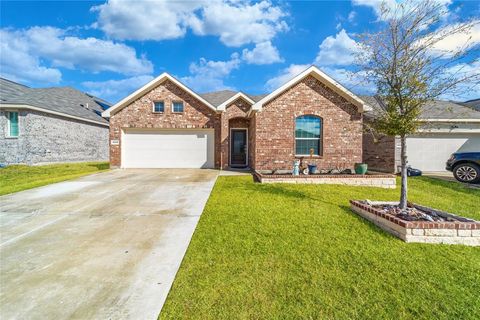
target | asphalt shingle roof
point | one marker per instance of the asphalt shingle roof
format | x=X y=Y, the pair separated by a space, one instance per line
x=65 y=100
x=475 y=104
x=216 y=98
x=438 y=109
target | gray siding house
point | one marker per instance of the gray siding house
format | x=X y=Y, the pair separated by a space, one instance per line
x=49 y=125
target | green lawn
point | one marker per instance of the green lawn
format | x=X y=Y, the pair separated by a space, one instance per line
x=20 y=177
x=298 y=252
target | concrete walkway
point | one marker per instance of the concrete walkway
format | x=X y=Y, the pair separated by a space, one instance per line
x=106 y=246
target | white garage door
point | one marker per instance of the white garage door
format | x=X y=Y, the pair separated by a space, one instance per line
x=168 y=148
x=430 y=152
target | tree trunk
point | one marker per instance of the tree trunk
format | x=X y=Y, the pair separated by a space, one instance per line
x=403 y=159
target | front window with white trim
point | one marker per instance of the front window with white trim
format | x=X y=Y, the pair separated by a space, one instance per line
x=12 y=124
x=177 y=106
x=308 y=135
x=159 y=106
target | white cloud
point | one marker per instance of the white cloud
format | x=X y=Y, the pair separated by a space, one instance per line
x=353 y=81
x=458 y=41
x=25 y=54
x=87 y=54
x=208 y=75
x=351 y=16
x=337 y=50
x=466 y=90
x=16 y=62
x=285 y=75
x=145 y=20
x=392 y=4
x=374 y=4
x=114 y=90
x=235 y=22
x=263 y=53
x=240 y=22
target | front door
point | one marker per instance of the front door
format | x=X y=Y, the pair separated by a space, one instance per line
x=238 y=148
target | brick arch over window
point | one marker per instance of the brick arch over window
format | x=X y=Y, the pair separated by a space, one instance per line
x=308 y=135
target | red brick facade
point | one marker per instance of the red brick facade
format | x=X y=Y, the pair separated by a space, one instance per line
x=271 y=131
x=139 y=114
x=379 y=152
x=275 y=128
x=235 y=116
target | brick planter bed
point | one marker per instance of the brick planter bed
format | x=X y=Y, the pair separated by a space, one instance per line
x=457 y=231
x=366 y=180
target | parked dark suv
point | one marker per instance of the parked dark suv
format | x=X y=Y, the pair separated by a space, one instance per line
x=465 y=166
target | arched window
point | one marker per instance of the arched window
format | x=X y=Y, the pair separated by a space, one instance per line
x=308 y=135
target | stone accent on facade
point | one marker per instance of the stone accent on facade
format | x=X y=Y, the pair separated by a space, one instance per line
x=380 y=181
x=459 y=232
x=46 y=138
x=275 y=127
x=139 y=114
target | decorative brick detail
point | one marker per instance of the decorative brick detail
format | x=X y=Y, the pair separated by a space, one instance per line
x=418 y=231
x=275 y=127
x=139 y=114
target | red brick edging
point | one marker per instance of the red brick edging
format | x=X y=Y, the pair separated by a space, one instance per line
x=474 y=225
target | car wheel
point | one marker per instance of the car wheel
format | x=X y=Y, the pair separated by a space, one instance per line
x=467 y=172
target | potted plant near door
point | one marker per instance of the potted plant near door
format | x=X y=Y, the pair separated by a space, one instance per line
x=361 y=168
x=312 y=167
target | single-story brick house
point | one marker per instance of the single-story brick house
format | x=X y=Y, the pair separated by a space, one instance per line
x=48 y=125
x=446 y=127
x=165 y=124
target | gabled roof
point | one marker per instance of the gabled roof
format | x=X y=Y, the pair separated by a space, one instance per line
x=435 y=111
x=63 y=101
x=149 y=86
x=323 y=78
x=242 y=95
x=217 y=98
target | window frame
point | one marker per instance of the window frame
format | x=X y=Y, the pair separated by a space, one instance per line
x=173 y=106
x=153 y=106
x=8 y=133
x=319 y=139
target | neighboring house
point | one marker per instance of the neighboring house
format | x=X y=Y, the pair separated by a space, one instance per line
x=475 y=104
x=447 y=128
x=164 y=124
x=49 y=125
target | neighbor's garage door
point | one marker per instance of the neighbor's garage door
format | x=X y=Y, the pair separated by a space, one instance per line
x=168 y=148
x=430 y=152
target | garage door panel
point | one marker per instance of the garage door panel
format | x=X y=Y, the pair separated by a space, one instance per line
x=168 y=149
x=430 y=152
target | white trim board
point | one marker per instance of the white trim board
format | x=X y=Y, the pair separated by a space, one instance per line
x=29 y=107
x=451 y=120
x=224 y=105
x=149 y=86
x=323 y=78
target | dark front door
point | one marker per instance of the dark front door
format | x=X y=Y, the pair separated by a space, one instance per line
x=238 y=148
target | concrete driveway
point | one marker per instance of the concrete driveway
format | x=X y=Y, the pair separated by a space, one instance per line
x=106 y=246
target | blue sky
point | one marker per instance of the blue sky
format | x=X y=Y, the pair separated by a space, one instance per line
x=112 y=48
